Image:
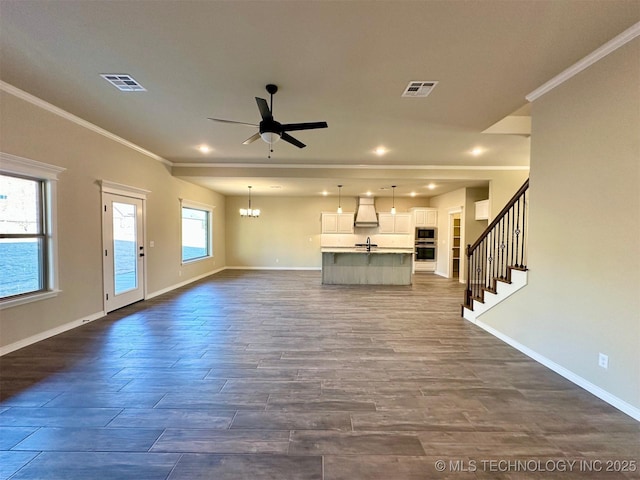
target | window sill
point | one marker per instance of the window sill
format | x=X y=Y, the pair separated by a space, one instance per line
x=196 y=260
x=36 y=297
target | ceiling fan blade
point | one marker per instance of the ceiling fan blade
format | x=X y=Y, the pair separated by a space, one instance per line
x=252 y=138
x=290 y=127
x=293 y=141
x=232 y=121
x=263 y=106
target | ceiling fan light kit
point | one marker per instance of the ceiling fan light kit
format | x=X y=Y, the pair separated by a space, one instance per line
x=270 y=130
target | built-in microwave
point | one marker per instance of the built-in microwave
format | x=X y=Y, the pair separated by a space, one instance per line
x=425 y=234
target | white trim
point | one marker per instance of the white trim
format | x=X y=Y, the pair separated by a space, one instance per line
x=16 y=92
x=107 y=268
x=275 y=268
x=48 y=174
x=182 y=284
x=25 y=342
x=355 y=167
x=612 y=400
x=190 y=203
x=204 y=208
x=612 y=45
x=25 y=166
x=28 y=298
x=107 y=186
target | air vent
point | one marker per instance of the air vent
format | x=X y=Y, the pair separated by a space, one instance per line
x=419 y=89
x=123 y=82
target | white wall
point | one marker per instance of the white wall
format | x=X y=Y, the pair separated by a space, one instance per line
x=583 y=295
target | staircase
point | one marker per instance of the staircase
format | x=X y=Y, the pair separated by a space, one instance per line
x=497 y=261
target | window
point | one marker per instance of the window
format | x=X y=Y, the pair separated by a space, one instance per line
x=23 y=253
x=27 y=230
x=196 y=232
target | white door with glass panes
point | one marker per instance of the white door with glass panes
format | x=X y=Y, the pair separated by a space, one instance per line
x=123 y=250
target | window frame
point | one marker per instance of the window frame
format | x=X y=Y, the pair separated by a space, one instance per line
x=47 y=176
x=189 y=204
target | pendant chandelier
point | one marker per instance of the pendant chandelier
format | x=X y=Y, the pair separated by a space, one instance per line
x=393 y=206
x=249 y=212
x=339 y=198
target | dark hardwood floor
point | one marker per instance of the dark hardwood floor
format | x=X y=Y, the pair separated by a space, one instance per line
x=270 y=375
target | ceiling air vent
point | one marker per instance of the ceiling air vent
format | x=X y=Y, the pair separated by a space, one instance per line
x=419 y=89
x=123 y=82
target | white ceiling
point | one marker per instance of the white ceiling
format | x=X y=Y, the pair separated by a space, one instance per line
x=344 y=62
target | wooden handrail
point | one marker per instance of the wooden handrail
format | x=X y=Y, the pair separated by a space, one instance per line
x=498 y=250
x=496 y=220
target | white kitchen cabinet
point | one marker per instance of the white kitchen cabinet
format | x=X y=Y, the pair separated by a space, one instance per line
x=425 y=217
x=399 y=223
x=337 y=222
x=482 y=210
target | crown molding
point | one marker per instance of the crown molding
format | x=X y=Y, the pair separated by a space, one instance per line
x=354 y=167
x=21 y=94
x=612 y=45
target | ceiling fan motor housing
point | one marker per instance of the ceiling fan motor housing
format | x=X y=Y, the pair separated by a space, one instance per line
x=270 y=130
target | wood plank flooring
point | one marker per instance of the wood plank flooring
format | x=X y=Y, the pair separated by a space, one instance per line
x=271 y=375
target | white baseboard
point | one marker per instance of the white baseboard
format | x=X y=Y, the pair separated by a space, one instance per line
x=274 y=268
x=12 y=347
x=25 y=342
x=182 y=284
x=441 y=274
x=612 y=400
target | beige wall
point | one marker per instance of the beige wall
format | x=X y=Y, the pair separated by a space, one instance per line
x=502 y=187
x=503 y=184
x=583 y=295
x=287 y=233
x=32 y=132
x=474 y=228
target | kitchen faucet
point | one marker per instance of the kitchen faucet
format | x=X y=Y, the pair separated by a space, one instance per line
x=368 y=244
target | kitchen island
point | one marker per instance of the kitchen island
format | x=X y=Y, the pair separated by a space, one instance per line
x=359 y=266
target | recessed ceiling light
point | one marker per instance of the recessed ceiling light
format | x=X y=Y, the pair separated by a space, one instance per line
x=368 y=193
x=380 y=151
x=477 y=151
x=204 y=148
x=325 y=193
x=123 y=82
x=413 y=194
x=431 y=186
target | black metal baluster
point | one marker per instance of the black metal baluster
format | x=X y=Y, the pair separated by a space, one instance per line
x=525 y=210
x=517 y=232
x=511 y=233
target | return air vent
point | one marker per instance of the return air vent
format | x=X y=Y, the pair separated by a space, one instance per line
x=123 y=82
x=419 y=89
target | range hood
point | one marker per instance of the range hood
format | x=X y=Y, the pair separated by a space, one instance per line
x=366 y=216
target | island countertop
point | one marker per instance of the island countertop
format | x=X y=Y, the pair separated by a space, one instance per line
x=357 y=266
x=376 y=250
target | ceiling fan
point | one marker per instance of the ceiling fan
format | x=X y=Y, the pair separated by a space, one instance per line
x=269 y=129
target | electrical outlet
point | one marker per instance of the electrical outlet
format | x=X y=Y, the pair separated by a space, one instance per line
x=603 y=360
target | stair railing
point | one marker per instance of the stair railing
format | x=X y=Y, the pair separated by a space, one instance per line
x=499 y=249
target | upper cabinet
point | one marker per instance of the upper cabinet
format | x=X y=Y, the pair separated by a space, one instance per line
x=425 y=217
x=337 y=223
x=482 y=210
x=398 y=223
